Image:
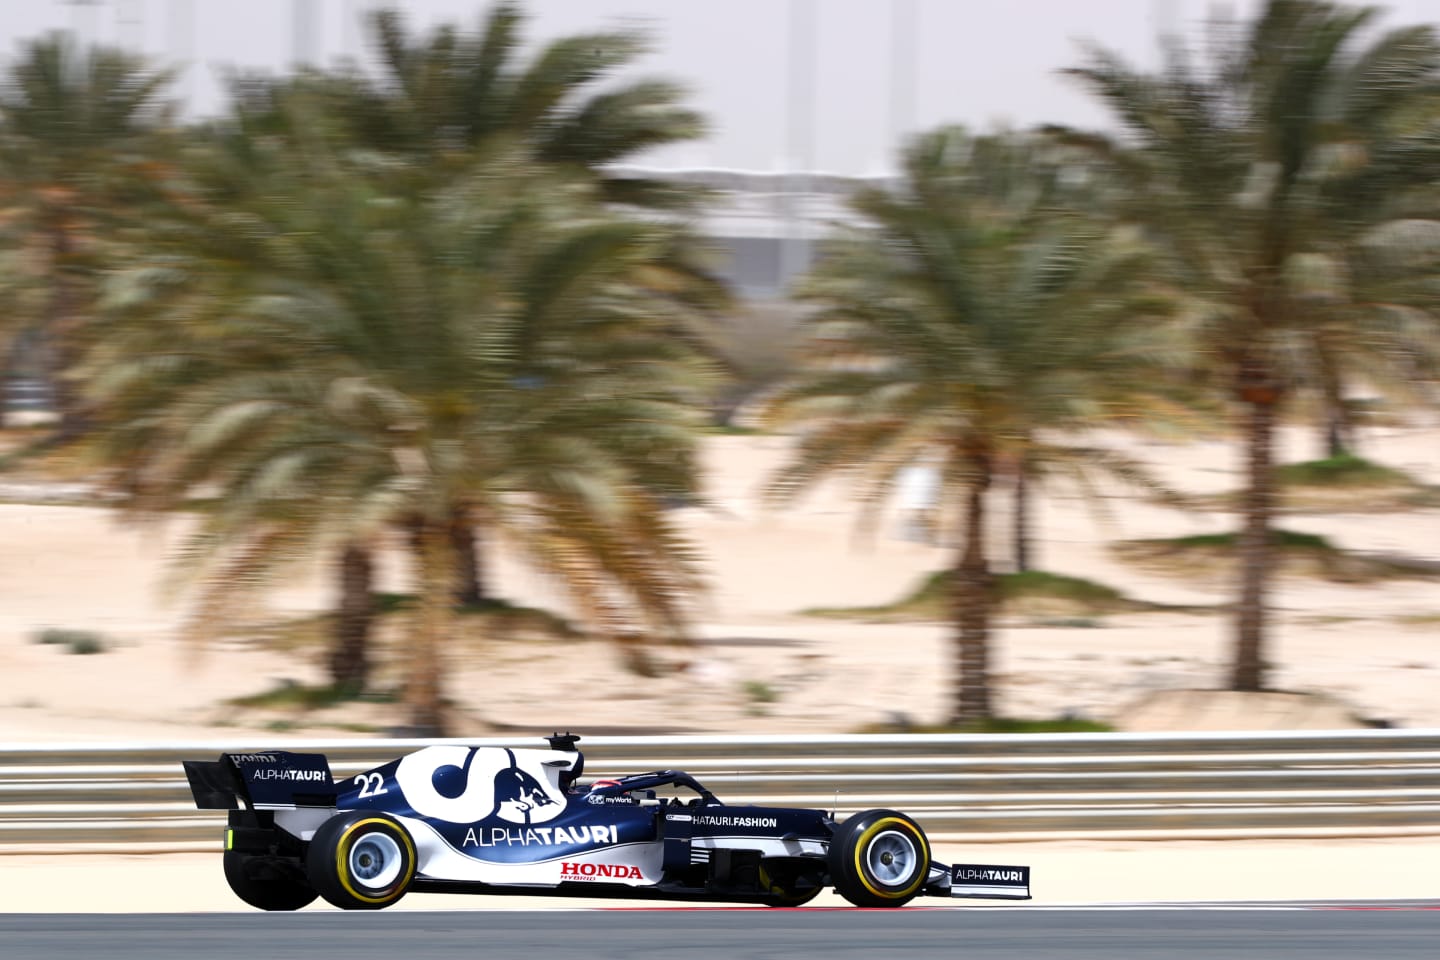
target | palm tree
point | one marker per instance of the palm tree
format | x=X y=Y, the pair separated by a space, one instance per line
x=1367 y=280
x=1247 y=163
x=440 y=96
x=977 y=321
x=78 y=150
x=438 y=103
x=437 y=99
x=1373 y=304
x=346 y=357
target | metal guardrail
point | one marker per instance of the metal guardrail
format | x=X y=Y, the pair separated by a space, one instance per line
x=64 y=797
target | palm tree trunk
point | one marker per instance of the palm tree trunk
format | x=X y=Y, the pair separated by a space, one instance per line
x=466 y=542
x=62 y=326
x=1339 y=431
x=1256 y=549
x=350 y=655
x=1337 y=420
x=973 y=601
x=435 y=587
x=1022 y=539
x=1336 y=425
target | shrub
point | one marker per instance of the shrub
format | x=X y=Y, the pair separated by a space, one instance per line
x=1285 y=539
x=760 y=692
x=79 y=642
x=1346 y=470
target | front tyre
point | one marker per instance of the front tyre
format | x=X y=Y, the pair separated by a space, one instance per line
x=361 y=861
x=787 y=897
x=790 y=882
x=266 y=882
x=879 y=858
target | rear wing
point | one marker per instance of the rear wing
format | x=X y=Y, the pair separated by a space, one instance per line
x=274 y=780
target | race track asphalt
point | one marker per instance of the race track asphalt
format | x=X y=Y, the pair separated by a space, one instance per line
x=1372 y=932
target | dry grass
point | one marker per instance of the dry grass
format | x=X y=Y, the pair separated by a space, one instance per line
x=1058 y=599
x=1298 y=554
x=1343 y=484
x=1419 y=621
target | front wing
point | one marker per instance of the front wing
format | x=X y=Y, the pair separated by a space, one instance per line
x=981 y=881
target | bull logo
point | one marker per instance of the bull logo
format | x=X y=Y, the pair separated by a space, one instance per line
x=517 y=793
x=467 y=785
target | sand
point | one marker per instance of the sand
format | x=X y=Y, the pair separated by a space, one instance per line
x=761 y=665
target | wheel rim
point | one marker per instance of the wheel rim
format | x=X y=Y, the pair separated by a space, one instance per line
x=375 y=860
x=891 y=858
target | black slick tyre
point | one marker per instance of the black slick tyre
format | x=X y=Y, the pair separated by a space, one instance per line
x=790 y=898
x=267 y=883
x=361 y=861
x=879 y=858
x=787 y=886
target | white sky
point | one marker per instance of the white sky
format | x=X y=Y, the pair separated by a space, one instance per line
x=978 y=62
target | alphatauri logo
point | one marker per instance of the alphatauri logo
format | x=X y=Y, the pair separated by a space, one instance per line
x=272 y=773
x=994 y=876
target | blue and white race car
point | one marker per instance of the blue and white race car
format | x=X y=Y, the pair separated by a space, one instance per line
x=458 y=819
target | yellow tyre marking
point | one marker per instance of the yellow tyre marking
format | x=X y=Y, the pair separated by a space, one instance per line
x=342 y=855
x=920 y=844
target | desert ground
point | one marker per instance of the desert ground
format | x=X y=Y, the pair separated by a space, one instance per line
x=759 y=665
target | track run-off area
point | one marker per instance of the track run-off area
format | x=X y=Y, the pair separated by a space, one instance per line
x=1354 y=930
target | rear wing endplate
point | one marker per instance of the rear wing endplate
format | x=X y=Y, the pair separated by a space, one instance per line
x=273 y=780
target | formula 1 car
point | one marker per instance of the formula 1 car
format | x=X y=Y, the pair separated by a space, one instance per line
x=458 y=819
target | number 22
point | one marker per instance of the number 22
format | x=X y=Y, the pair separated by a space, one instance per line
x=371 y=785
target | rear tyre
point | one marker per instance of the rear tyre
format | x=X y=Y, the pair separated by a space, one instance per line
x=879 y=858
x=266 y=882
x=361 y=861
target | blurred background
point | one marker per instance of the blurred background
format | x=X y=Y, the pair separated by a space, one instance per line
x=798 y=350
